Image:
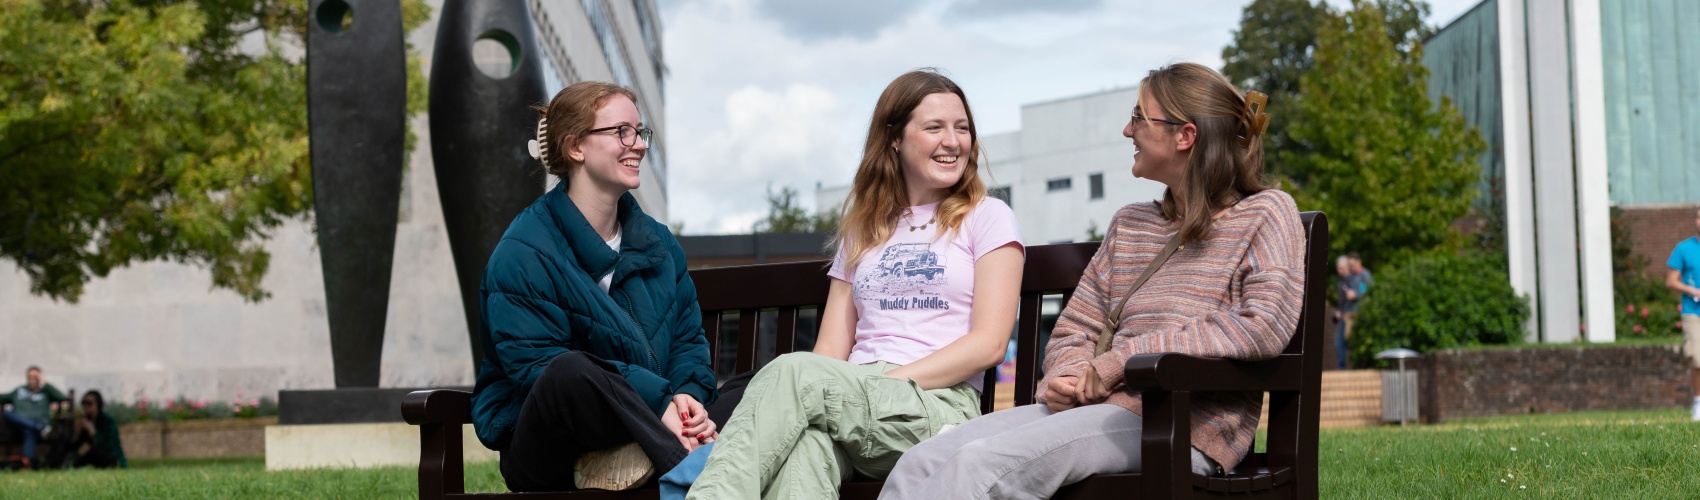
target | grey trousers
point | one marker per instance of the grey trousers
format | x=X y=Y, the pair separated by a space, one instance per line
x=1023 y=452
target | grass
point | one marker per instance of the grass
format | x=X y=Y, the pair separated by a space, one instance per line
x=229 y=478
x=1627 y=454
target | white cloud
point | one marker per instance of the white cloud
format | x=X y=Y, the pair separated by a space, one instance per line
x=765 y=138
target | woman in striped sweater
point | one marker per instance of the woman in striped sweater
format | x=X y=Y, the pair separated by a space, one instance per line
x=1231 y=290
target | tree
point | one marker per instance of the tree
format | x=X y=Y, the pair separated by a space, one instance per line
x=142 y=130
x=1391 y=169
x=1275 y=46
x=785 y=216
x=1092 y=233
x=1271 y=52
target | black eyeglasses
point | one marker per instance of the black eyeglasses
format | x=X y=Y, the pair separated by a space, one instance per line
x=626 y=133
x=1139 y=118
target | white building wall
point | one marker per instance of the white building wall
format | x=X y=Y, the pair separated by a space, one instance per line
x=158 y=330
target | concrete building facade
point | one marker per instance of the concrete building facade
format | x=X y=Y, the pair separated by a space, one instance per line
x=1586 y=105
x=158 y=330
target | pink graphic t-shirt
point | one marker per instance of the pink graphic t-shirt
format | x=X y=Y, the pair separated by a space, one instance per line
x=913 y=294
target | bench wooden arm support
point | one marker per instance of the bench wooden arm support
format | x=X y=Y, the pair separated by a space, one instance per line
x=439 y=415
x=1179 y=372
x=1166 y=382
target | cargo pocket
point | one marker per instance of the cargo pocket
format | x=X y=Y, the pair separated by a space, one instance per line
x=897 y=419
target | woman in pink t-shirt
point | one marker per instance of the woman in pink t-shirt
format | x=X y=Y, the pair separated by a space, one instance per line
x=926 y=280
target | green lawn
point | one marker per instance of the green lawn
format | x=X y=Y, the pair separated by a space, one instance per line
x=229 y=478
x=1630 y=454
x=1638 y=454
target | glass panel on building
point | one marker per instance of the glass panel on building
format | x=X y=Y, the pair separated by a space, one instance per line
x=1002 y=193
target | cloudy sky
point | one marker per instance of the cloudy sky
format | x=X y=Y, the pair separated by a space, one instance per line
x=779 y=92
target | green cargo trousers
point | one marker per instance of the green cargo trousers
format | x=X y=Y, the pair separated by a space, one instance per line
x=808 y=421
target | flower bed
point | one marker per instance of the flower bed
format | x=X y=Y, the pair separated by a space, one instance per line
x=184 y=409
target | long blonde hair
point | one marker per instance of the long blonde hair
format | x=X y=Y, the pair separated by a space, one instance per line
x=1226 y=162
x=880 y=194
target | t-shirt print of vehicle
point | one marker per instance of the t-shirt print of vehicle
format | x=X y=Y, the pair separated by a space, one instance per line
x=905 y=267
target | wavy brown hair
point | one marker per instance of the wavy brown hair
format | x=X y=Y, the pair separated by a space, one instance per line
x=1226 y=161
x=880 y=194
x=569 y=115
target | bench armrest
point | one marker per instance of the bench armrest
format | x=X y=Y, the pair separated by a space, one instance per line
x=1165 y=383
x=438 y=407
x=1179 y=372
x=439 y=415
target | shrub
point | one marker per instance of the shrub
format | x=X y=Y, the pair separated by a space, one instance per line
x=1436 y=302
x=1645 y=308
x=1661 y=319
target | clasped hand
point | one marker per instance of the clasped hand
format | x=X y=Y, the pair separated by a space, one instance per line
x=689 y=422
x=1070 y=391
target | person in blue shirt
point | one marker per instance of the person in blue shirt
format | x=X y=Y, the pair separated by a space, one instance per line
x=1684 y=278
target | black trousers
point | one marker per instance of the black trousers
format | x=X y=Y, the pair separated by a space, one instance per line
x=580 y=404
x=731 y=393
x=65 y=454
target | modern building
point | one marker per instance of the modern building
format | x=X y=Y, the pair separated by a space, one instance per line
x=1585 y=105
x=1065 y=172
x=157 y=329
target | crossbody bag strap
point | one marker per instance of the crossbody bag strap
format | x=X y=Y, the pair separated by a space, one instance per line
x=1113 y=322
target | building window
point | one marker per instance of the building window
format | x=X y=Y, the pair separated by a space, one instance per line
x=1002 y=193
x=1096 y=183
x=1062 y=184
x=603 y=24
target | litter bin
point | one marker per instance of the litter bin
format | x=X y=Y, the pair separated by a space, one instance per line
x=1398 y=387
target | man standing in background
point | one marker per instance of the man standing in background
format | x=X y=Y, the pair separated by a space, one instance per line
x=1349 y=286
x=1358 y=268
x=1684 y=277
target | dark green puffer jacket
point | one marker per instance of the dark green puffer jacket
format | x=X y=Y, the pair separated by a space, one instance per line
x=540 y=299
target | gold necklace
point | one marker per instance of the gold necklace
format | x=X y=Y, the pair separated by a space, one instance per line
x=907 y=221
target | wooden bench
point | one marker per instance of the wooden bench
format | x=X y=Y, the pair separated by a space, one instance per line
x=784 y=292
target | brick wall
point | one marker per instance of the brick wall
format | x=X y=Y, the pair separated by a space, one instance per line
x=1656 y=230
x=1458 y=383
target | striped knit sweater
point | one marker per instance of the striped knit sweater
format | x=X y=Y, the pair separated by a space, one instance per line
x=1234 y=294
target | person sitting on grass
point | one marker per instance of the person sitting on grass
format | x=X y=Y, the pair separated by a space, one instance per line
x=95 y=441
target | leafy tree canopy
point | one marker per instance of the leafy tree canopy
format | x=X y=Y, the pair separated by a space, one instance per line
x=784 y=215
x=1391 y=169
x=1275 y=46
x=137 y=130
